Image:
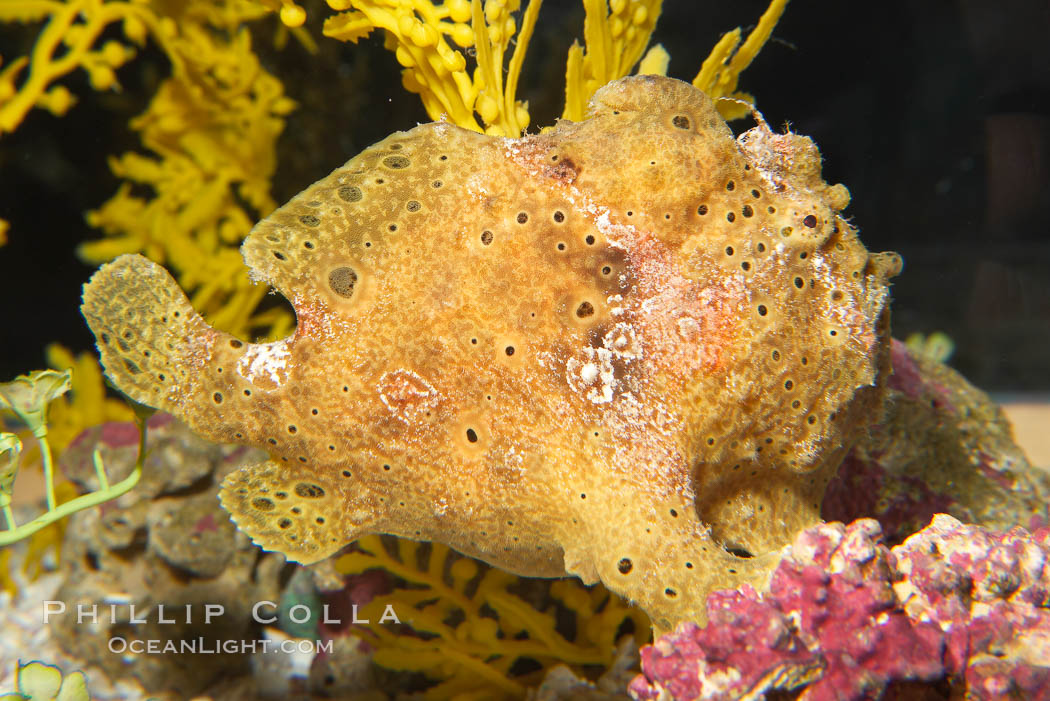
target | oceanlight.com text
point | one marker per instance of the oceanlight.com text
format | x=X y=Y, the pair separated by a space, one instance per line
x=200 y=646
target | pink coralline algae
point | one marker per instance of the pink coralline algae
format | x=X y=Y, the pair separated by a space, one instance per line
x=989 y=593
x=961 y=608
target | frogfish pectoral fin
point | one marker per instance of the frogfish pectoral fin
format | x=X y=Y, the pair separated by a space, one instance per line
x=151 y=340
x=299 y=515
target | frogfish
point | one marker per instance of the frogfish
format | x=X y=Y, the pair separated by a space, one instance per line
x=633 y=349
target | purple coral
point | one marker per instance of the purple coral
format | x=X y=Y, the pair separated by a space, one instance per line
x=845 y=617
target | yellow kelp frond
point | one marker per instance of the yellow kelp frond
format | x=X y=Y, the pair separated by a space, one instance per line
x=292 y=15
x=467 y=627
x=655 y=61
x=720 y=73
x=212 y=129
x=419 y=32
x=616 y=33
x=66 y=43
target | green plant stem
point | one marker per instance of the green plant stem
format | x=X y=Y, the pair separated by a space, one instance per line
x=105 y=492
x=10 y=516
x=49 y=469
x=100 y=471
x=70 y=507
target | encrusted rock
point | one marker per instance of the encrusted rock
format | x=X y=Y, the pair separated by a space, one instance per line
x=829 y=621
x=962 y=608
x=943 y=447
x=989 y=592
x=167 y=543
x=561 y=684
x=190 y=534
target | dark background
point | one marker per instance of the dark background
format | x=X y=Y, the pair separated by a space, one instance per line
x=935 y=114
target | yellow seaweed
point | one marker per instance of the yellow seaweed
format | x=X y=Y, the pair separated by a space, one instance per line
x=420 y=32
x=615 y=35
x=67 y=43
x=467 y=629
x=210 y=131
x=720 y=73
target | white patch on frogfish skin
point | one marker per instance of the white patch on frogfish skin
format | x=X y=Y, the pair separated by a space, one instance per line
x=622 y=342
x=593 y=376
x=618 y=235
x=689 y=330
x=265 y=359
x=406 y=395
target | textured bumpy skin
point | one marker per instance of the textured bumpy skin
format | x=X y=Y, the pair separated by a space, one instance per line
x=632 y=348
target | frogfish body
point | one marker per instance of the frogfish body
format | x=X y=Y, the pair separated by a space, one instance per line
x=633 y=349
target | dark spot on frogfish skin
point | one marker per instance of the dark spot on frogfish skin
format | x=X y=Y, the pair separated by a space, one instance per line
x=262 y=504
x=342 y=281
x=350 y=193
x=307 y=490
x=396 y=162
x=565 y=170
